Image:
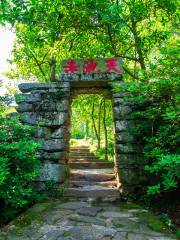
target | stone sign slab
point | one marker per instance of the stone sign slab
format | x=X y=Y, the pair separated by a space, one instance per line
x=91 y=69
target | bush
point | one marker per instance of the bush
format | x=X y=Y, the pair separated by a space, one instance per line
x=19 y=164
x=156 y=95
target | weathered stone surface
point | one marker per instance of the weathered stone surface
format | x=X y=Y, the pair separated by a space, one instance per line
x=122 y=95
x=43 y=132
x=28 y=98
x=110 y=214
x=89 y=211
x=54 y=156
x=124 y=137
x=131 y=175
x=73 y=205
x=52 y=171
x=46 y=105
x=128 y=148
x=120 y=236
x=94 y=232
x=129 y=159
x=62 y=105
x=123 y=125
x=29 y=118
x=122 y=112
x=28 y=87
x=60 y=133
x=87 y=219
x=54 y=145
x=122 y=102
x=59 y=221
x=25 y=107
x=52 y=119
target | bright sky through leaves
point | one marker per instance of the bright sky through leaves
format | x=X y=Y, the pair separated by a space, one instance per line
x=6 y=42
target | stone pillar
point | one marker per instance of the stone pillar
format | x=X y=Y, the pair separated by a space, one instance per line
x=46 y=106
x=129 y=158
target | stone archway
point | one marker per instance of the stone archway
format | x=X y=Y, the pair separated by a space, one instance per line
x=47 y=106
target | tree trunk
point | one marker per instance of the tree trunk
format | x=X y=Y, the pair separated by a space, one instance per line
x=105 y=131
x=99 y=124
x=94 y=124
x=52 y=69
x=87 y=130
x=138 y=45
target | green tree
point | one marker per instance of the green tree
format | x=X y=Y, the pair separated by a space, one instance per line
x=48 y=30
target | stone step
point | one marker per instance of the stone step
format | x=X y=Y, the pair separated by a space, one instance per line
x=78 y=184
x=91 y=176
x=93 y=171
x=78 y=159
x=82 y=154
x=79 y=148
x=92 y=192
x=89 y=165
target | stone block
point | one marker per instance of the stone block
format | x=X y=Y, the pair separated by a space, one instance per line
x=124 y=137
x=61 y=132
x=55 y=156
x=24 y=107
x=62 y=105
x=52 y=105
x=53 y=119
x=43 y=132
x=53 y=171
x=54 y=145
x=28 y=87
x=128 y=148
x=28 y=98
x=56 y=94
x=121 y=101
x=123 y=125
x=122 y=112
x=29 y=118
x=132 y=176
x=128 y=160
x=46 y=105
x=122 y=95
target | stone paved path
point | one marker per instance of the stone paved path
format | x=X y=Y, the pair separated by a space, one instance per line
x=86 y=217
x=76 y=220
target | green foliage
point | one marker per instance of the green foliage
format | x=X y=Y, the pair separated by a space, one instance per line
x=156 y=95
x=75 y=29
x=52 y=190
x=19 y=164
x=164 y=217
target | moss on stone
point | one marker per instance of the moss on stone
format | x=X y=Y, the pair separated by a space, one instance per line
x=129 y=205
x=2 y=238
x=67 y=234
x=152 y=221
x=26 y=220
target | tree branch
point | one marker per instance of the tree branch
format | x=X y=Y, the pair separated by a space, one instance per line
x=130 y=73
x=37 y=63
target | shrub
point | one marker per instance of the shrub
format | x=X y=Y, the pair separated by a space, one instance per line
x=156 y=95
x=19 y=164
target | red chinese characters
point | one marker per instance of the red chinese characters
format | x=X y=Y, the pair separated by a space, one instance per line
x=89 y=66
x=72 y=67
x=111 y=65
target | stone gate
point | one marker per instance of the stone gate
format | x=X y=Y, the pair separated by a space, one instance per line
x=48 y=106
